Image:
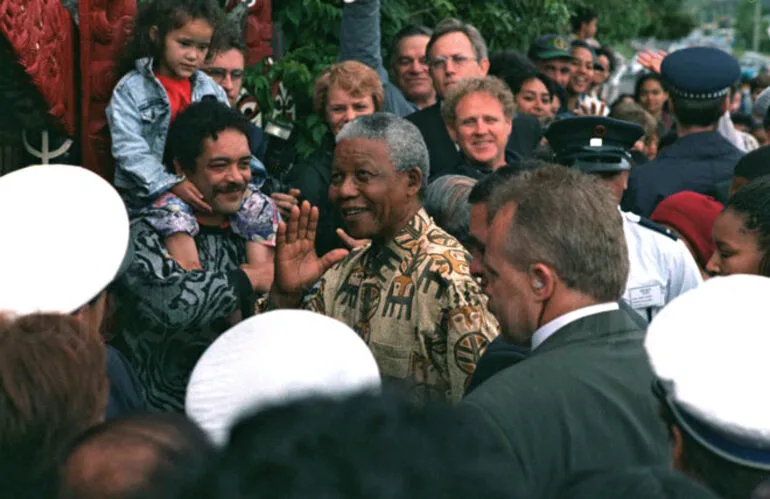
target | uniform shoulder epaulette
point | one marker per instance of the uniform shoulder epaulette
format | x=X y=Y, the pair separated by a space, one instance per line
x=644 y=222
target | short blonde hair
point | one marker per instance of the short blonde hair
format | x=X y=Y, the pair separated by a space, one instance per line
x=489 y=85
x=351 y=76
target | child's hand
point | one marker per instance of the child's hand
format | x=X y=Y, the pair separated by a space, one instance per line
x=190 y=194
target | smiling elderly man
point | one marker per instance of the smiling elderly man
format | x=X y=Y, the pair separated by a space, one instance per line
x=409 y=294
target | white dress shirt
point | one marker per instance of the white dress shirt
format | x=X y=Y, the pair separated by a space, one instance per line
x=546 y=330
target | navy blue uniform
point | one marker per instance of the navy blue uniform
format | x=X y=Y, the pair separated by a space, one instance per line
x=697 y=162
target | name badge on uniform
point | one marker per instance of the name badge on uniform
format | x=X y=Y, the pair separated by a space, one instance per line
x=646 y=296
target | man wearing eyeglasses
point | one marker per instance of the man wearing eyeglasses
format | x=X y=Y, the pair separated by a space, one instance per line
x=225 y=64
x=456 y=51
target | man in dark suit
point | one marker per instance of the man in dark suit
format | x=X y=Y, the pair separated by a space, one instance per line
x=555 y=266
x=456 y=51
x=701 y=159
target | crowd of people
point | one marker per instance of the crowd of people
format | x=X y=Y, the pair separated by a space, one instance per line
x=489 y=281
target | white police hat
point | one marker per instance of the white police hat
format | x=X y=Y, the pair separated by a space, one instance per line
x=273 y=358
x=709 y=350
x=64 y=237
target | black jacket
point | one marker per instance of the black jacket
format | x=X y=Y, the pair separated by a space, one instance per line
x=313 y=177
x=697 y=162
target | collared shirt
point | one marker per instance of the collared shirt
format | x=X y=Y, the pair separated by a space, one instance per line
x=547 y=330
x=414 y=302
x=660 y=267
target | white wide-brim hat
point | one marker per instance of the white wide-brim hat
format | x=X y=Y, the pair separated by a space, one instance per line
x=273 y=358
x=63 y=236
x=709 y=349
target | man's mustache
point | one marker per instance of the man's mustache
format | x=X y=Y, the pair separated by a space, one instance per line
x=229 y=188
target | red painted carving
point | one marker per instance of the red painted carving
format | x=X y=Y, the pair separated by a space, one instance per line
x=42 y=35
x=259 y=30
x=104 y=28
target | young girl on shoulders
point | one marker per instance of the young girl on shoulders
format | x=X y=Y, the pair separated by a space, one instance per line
x=161 y=76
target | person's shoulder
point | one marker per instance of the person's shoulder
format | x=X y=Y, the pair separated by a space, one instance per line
x=203 y=85
x=425 y=116
x=649 y=229
x=513 y=385
x=129 y=82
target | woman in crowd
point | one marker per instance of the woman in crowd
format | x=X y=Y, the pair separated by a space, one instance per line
x=603 y=69
x=742 y=232
x=341 y=93
x=533 y=93
x=651 y=94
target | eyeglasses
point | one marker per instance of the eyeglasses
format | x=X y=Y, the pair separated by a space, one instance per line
x=457 y=60
x=219 y=74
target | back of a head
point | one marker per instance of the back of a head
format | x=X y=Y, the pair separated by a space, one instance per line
x=510 y=65
x=569 y=220
x=446 y=200
x=147 y=456
x=754 y=164
x=482 y=190
x=53 y=386
x=362 y=446
x=633 y=483
x=634 y=113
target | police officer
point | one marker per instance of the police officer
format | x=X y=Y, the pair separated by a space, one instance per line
x=712 y=387
x=698 y=80
x=661 y=266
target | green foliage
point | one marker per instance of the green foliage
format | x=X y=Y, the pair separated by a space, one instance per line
x=311 y=37
x=744 y=26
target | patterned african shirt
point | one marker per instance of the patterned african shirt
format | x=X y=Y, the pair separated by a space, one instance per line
x=416 y=305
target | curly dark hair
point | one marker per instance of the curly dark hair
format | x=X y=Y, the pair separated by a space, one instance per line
x=166 y=15
x=201 y=120
x=753 y=202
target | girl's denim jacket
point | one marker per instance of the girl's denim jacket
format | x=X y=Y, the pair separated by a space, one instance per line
x=138 y=115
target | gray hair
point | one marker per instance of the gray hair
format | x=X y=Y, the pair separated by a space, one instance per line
x=403 y=139
x=568 y=220
x=446 y=200
x=452 y=25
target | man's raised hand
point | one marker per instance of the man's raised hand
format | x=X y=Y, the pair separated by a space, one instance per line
x=297 y=266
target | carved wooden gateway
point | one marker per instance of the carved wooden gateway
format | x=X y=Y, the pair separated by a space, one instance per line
x=58 y=59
